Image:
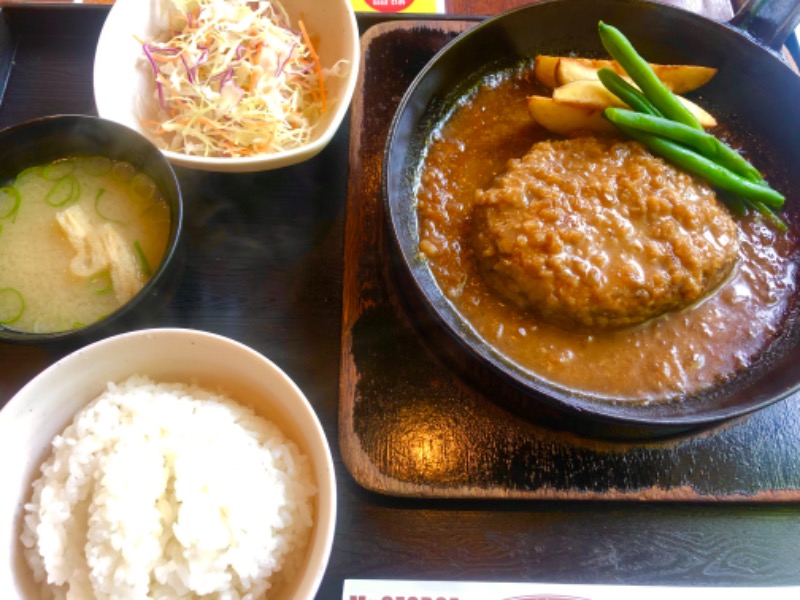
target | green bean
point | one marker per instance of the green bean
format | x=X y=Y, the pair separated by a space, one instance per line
x=672 y=130
x=712 y=172
x=768 y=214
x=735 y=204
x=623 y=90
x=637 y=68
x=705 y=143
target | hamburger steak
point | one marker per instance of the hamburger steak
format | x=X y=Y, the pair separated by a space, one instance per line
x=594 y=233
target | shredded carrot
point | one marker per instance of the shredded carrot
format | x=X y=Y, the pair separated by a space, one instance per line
x=172 y=27
x=317 y=65
x=210 y=123
x=166 y=83
x=165 y=58
x=255 y=58
x=155 y=126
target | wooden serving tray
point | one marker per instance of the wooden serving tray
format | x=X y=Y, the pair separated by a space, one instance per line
x=411 y=425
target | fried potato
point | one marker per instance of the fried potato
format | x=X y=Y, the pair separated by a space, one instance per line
x=554 y=71
x=684 y=78
x=592 y=94
x=587 y=93
x=565 y=119
x=544 y=69
x=579 y=69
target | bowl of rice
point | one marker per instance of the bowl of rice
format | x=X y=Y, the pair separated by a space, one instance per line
x=164 y=463
x=229 y=85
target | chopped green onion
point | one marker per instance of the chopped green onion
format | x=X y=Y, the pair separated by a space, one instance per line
x=143 y=187
x=58 y=169
x=143 y=264
x=37 y=170
x=102 y=283
x=96 y=165
x=102 y=215
x=12 y=305
x=123 y=171
x=10 y=201
x=63 y=191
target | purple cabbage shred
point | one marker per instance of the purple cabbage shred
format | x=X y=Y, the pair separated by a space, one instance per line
x=282 y=65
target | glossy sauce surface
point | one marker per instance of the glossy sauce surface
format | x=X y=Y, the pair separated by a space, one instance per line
x=671 y=356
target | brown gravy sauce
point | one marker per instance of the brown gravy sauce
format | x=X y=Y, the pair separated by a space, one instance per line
x=675 y=355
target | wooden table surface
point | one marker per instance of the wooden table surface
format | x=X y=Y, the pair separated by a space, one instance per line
x=287 y=304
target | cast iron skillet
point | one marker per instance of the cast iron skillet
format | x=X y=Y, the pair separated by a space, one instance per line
x=754 y=90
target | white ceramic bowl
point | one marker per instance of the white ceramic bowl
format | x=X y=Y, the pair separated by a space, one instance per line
x=44 y=407
x=122 y=80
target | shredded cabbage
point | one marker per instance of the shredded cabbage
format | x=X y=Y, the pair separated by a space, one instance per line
x=235 y=79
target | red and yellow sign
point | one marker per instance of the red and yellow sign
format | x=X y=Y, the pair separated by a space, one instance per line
x=390 y=6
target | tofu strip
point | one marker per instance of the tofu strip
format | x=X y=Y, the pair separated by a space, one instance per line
x=98 y=248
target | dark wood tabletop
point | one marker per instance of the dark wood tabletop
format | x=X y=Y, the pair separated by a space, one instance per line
x=265 y=267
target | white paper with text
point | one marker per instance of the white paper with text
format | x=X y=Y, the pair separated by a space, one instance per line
x=388 y=589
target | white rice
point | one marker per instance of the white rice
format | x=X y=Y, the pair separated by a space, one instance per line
x=161 y=490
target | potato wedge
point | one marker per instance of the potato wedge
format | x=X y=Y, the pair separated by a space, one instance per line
x=579 y=69
x=587 y=93
x=684 y=78
x=592 y=94
x=544 y=69
x=564 y=119
x=553 y=71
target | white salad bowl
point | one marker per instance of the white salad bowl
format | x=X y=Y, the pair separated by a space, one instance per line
x=48 y=403
x=123 y=78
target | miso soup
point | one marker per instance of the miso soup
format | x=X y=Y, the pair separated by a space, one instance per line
x=79 y=237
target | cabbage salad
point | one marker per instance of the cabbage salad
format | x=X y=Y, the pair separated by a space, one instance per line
x=235 y=79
